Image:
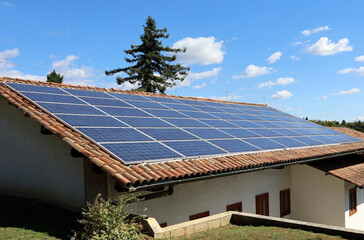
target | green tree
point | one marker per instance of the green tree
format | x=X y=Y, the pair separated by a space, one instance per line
x=150 y=69
x=54 y=77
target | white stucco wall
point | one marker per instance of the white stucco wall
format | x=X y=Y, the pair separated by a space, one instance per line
x=355 y=221
x=35 y=165
x=214 y=194
x=317 y=197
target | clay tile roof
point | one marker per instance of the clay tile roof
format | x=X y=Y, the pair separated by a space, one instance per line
x=152 y=173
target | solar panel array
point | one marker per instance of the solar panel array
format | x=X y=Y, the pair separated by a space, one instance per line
x=138 y=128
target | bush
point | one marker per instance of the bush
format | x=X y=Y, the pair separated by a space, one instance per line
x=107 y=220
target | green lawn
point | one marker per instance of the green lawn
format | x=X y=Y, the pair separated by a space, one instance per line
x=233 y=232
x=27 y=219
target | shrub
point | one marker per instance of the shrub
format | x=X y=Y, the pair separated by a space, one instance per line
x=108 y=220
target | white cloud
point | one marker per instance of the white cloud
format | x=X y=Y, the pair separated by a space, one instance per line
x=274 y=57
x=360 y=58
x=282 y=95
x=202 y=50
x=192 y=77
x=294 y=58
x=297 y=43
x=326 y=47
x=199 y=86
x=279 y=81
x=324 y=98
x=7 y=4
x=351 y=91
x=253 y=71
x=361 y=118
x=358 y=71
x=72 y=74
x=308 y=32
x=9 y=53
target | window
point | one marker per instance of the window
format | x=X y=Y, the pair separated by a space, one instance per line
x=163 y=224
x=199 y=215
x=285 y=200
x=352 y=201
x=235 y=207
x=262 y=204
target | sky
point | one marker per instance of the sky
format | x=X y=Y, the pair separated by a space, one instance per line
x=305 y=58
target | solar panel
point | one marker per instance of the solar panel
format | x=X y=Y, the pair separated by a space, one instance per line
x=168 y=134
x=144 y=122
x=139 y=128
x=234 y=145
x=139 y=152
x=194 y=148
x=90 y=121
x=114 y=134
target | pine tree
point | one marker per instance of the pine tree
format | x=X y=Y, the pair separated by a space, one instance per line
x=151 y=70
x=54 y=77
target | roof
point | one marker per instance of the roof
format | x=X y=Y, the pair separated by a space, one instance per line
x=147 y=174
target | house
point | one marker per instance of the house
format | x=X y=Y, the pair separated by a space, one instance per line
x=46 y=156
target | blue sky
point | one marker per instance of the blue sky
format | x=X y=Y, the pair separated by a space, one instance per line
x=302 y=57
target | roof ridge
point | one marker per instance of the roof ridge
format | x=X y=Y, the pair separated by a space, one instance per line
x=114 y=90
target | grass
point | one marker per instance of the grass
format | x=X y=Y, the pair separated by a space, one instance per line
x=233 y=232
x=28 y=219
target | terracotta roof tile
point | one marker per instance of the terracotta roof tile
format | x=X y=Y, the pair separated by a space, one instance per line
x=147 y=173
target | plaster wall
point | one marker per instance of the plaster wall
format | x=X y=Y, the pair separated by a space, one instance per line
x=215 y=194
x=316 y=197
x=355 y=221
x=37 y=166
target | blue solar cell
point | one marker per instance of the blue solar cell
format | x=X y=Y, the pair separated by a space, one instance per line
x=304 y=131
x=165 y=113
x=287 y=132
x=105 y=102
x=168 y=134
x=307 y=140
x=208 y=133
x=226 y=116
x=90 y=121
x=185 y=122
x=234 y=145
x=352 y=139
x=268 y=118
x=217 y=104
x=240 y=133
x=327 y=131
x=162 y=99
x=192 y=102
x=288 y=142
x=266 y=132
x=194 y=148
x=114 y=134
x=41 y=97
x=68 y=108
x=218 y=123
x=270 y=113
x=129 y=96
x=230 y=110
x=252 y=112
x=146 y=104
x=344 y=138
x=207 y=109
x=264 y=143
x=138 y=152
x=324 y=139
x=116 y=111
x=284 y=124
x=246 y=124
x=144 y=122
x=247 y=117
x=35 y=88
x=86 y=93
x=199 y=115
x=180 y=107
x=266 y=124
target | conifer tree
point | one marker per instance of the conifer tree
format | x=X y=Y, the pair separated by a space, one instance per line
x=54 y=77
x=150 y=69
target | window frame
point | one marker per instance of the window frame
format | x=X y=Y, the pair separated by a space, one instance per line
x=261 y=197
x=233 y=206
x=199 y=215
x=352 y=201
x=282 y=202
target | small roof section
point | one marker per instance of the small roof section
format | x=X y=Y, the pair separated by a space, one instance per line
x=145 y=175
